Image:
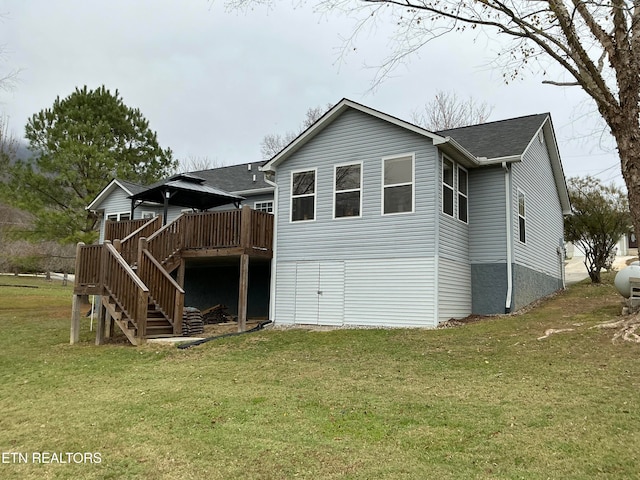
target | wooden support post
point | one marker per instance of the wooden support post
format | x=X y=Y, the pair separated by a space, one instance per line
x=181 y=272
x=74 y=336
x=110 y=324
x=245 y=227
x=142 y=245
x=75 y=319
x=100 y=330
x=243 y=293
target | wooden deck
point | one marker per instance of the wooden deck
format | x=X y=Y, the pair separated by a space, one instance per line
x=132 y=273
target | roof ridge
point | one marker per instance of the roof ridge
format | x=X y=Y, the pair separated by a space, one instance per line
x=546 y=114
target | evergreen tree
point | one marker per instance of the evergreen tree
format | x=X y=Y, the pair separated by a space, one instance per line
x=78 y=144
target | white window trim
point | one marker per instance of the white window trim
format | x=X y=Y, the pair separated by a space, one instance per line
x=264 y=202
x=413 y=184
x=117 y=214
x=153 y=214
x=315 y=195
x=524 y=217
x=458 y=193
x=451 y=187
x=335 y=169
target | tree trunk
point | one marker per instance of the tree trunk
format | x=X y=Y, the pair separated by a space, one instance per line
x=628 y=141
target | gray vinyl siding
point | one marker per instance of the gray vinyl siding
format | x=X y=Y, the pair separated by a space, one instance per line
x=487 y=216
x=118 y=202
x=454 y=289
x=453 y=271
x=249 y=200
x=384 y=264
x=264 y=197
x=544 y=220
x=357 y=137
x=391 y=292
x=453 y=234
x=394 y=292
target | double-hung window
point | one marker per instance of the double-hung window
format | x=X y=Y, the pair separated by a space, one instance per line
x=397 y=184
x=455 y=190
x=447 y=186
x=303 y=196
x=348 y=190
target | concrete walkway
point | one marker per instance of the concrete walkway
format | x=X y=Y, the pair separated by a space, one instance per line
x=575 y=271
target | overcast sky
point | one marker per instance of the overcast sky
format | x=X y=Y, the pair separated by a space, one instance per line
x=213 y=83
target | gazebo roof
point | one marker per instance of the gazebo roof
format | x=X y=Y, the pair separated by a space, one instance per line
x=186 y=190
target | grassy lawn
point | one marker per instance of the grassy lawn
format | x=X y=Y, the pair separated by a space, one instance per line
x=487 y=400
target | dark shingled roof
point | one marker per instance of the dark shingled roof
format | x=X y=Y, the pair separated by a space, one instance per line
x=132 y=187
x=235 y=178
x=503 y=138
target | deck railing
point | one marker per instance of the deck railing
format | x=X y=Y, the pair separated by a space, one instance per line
x=212 y=229
x=114 y=230
x=163 y=289
x=261 y=230
x=106 y=269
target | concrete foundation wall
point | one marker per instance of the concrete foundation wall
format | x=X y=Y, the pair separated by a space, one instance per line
x=489 y=287
x=530 y=285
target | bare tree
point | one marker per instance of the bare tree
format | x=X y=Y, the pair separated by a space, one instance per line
x=447 y=111
x=195 y=163
x=272 y=144
x=596 y=44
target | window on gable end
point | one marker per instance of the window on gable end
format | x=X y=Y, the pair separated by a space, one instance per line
x=397 y=184
x=303 y=196
x=348 y=190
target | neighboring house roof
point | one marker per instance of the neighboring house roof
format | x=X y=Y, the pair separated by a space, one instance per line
x=514 y=136
x=129 y=188
x=240 y=179
x=187 y=190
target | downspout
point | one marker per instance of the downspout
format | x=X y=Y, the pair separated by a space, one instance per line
x=272 y=287
x=509 y=226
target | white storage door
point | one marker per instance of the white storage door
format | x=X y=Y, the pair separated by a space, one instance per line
x=319 y=296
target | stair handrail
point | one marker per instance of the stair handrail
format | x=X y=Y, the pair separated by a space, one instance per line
x=129 y=244
x=126 y=288
x=168 y=240
x=163 y=289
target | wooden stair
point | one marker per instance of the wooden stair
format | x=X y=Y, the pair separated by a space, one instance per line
x=158 y=325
